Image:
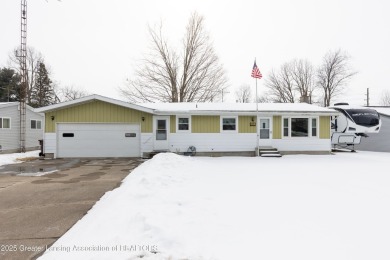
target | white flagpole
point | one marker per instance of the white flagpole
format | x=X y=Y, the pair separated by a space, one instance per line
x=257 y=123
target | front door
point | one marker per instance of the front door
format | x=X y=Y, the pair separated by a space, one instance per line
x=161 y=132
x=265 y=128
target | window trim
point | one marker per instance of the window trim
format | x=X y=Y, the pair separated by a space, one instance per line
x=288 y=127
x=177 y=124
x=2 y=122
x=36 y=124
x=316 y=127
x=228 y=131
x=310 y=127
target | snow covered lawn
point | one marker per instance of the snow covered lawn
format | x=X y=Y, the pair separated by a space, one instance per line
x=295 y=207
x=12 y=158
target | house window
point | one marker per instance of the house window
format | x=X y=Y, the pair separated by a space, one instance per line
x=314 y=127
x=229 y=124
x=285 y=127
x=36 y=124
x=161 y=130
x=299 y=127
x=183 y=123
x=5 y=122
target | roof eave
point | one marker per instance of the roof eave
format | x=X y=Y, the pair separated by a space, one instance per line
x=232 y=112
x=91 y=98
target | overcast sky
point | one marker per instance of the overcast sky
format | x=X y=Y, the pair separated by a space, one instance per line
x=95 y=44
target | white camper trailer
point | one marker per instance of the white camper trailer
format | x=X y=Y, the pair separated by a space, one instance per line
x=352 y=124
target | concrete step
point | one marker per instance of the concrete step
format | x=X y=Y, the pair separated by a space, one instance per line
x=268 y=151
x=277 y=155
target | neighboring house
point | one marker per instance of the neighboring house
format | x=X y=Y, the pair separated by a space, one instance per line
x=379 y=142
x=10 y=128
x=97 y=126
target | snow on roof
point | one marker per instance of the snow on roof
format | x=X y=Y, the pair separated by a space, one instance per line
x=7 y=104
x=383 y=110
x=202 y=108
x=235 y=107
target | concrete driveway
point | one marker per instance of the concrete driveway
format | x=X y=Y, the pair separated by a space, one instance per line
x=36 y=210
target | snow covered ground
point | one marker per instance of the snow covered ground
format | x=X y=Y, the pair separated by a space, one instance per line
x=196 y=208
x=12 y=158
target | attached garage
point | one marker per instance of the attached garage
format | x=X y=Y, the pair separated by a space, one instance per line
x=98 y=140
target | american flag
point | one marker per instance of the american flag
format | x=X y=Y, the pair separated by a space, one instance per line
x=256 y=72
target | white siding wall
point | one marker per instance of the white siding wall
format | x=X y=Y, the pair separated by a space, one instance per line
x=147 y=140
x=33 y=135
x=218 y=142
x=50 y=143
x=221 y=142
x=302 y=144
x=9 y=138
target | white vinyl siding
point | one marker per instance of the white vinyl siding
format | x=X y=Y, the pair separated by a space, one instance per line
x=10 y=136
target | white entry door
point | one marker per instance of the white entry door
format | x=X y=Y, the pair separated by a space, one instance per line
x=265 y=128
x=161 y=132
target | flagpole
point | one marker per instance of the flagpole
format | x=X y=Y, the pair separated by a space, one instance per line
x=257 y=123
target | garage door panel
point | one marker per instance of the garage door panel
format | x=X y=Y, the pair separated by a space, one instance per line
x=98 y=140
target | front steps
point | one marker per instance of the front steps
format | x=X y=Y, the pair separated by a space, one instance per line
x=268 y=151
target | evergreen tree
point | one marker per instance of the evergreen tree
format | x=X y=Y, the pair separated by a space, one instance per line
x=9 y=85
x=42 y=93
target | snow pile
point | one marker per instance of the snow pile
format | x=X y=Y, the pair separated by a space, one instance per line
x=12 y=158
x=296 y=207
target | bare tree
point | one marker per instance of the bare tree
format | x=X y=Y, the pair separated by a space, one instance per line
x=34 y=58
x=166 y=75
x=263 y=99
x=71 y=93
x=243 y=94
x=281 y=85
x=334 y=74
x=385 y=99
x=302 y=73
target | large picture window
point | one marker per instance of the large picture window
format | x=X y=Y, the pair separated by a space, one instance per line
x=5 y=122
x=299 y=127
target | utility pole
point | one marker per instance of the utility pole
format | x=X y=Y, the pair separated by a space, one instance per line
x=368 y=97
x=23 y=69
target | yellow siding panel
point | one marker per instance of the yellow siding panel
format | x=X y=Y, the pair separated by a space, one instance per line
x=173 y=124
x=98 y=112
x=324 y=127
x=205 y=124
x=244 y=124
x=277 y=127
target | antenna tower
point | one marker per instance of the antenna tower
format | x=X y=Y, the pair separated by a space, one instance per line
x=23 y=70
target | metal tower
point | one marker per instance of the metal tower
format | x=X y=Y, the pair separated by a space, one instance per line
x=23 y=71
